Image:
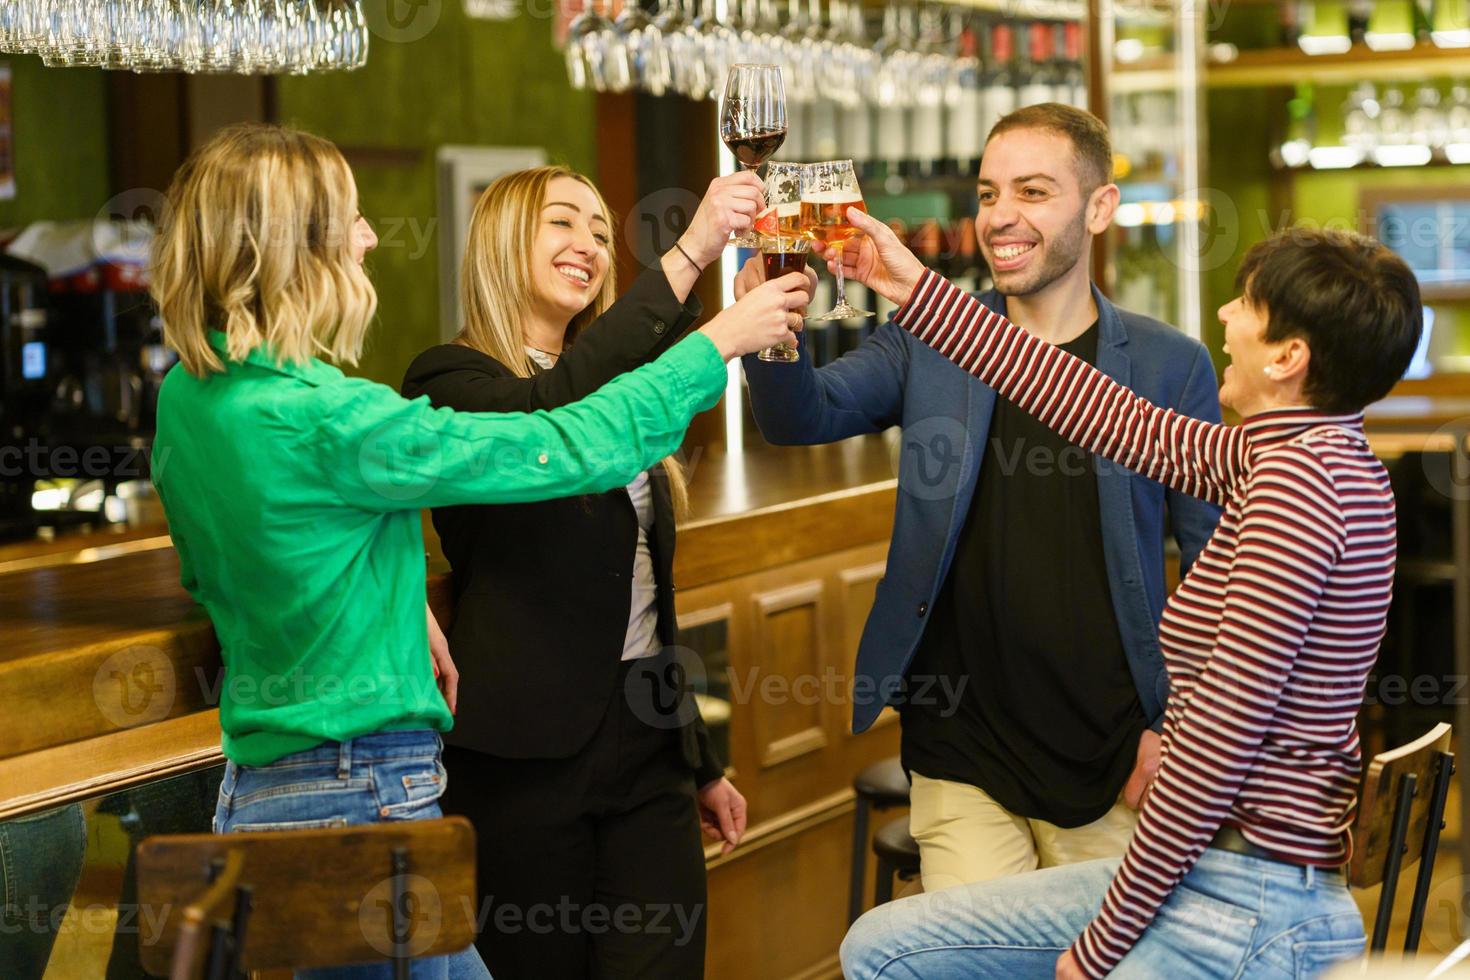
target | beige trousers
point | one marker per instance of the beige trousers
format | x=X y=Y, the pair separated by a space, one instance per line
x=964 y=836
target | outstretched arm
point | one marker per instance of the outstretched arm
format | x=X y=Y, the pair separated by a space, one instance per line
x=1082 y=404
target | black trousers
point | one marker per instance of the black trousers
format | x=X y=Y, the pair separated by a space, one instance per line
x=589 y=867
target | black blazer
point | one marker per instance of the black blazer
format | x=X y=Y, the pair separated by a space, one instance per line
x=542 y=591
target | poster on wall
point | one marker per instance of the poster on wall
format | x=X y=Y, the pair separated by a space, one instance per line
x=7 y=138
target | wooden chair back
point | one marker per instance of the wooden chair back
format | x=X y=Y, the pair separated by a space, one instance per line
x=320 y=897
x=1400 y=814
x=194 y=946
x=1373 y=828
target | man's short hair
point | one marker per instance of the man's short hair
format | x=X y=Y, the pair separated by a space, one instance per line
x=1093 y=148
x=1353 y=300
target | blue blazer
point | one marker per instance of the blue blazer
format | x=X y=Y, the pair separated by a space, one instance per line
x=894 y=379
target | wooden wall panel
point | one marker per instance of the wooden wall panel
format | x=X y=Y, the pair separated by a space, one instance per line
x=788 y=639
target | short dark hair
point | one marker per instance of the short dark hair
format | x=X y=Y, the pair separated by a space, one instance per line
x=1353 y=300
x=1090 y=140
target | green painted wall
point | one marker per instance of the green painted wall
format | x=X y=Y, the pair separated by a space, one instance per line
x=462 y=82
x=60 y=126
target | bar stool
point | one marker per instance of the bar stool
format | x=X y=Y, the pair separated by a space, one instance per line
x=306 y=898
x=881 y=786
x=898 y=854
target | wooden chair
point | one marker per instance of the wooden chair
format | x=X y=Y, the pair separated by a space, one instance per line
x=1400 y=814
x=219 y=904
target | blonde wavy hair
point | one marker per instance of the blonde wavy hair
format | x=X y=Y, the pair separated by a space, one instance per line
x=496 y=287
x=256 y=241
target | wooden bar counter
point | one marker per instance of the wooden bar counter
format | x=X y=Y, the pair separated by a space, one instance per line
x=110 y=672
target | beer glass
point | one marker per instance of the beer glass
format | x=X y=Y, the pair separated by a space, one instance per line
x=783 y=246
x=753 y=121
x=827 y=191
x=782 y=255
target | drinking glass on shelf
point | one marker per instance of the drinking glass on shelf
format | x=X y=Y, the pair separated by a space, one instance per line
x=827 y=191
x=753 y=121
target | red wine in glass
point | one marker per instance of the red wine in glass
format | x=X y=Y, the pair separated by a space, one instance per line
x=755 y=148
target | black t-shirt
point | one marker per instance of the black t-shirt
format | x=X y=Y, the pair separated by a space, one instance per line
x=1048 y=721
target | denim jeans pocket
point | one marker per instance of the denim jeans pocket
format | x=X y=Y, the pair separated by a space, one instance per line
x=1315 y=957
x=407 y=789
x=1195 y=935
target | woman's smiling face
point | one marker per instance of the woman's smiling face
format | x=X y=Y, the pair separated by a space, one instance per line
x=569 y=259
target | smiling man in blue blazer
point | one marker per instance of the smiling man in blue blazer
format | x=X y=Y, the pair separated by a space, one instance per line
x=1015 y=627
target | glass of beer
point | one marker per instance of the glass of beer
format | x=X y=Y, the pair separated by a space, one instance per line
x=827 y=191
x=782 y=254
x=753 y=121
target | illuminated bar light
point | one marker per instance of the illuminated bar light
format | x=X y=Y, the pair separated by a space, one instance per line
x=1402 y=156
x=1334 y=157
x=1457 y=152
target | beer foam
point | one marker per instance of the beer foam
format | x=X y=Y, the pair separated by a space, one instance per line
x=833 y=197
x=789 y=209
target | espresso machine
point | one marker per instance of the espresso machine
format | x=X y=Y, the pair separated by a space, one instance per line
x=83 y=360
x=24 y=386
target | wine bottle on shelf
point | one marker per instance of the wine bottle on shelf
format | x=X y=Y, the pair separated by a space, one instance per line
x=856 y=127
x=964 y=133
x=1000 y=81
x=1072 y=79
x=928 y=118
x=1037 y=85
x=1359 y=13
x=1288 y=18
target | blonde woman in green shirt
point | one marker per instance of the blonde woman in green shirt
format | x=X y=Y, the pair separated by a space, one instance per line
x=293 y=492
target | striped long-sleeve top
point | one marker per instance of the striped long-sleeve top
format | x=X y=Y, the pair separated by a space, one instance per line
x=1268 y=642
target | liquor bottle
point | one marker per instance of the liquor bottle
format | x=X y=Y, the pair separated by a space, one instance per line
x=964 y=134
x=927 y=134
x=856 y=128
x=1450 y=25
x=889 y=95
x=1037 y=84
x=1288 y=17
x=1325 y=27
x=1072 y=87
x=1359 y=13
x=1000 y=81
x=1391 y=25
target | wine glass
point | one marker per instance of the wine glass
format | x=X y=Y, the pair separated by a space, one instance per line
x=827 y=191
x=753 y=121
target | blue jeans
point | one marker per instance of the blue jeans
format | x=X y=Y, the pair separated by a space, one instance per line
x=40 y=864
x=1231 y=916
x=369 y=779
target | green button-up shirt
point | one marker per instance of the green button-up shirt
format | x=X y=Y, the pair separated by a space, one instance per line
x=293 y=495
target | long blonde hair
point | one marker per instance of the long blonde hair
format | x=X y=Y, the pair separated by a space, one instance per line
x=495 y=281
x=256 y=240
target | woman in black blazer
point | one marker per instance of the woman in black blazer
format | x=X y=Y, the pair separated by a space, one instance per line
x=586 y=777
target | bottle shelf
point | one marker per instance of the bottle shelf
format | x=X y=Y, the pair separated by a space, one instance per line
x=1267 y=67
